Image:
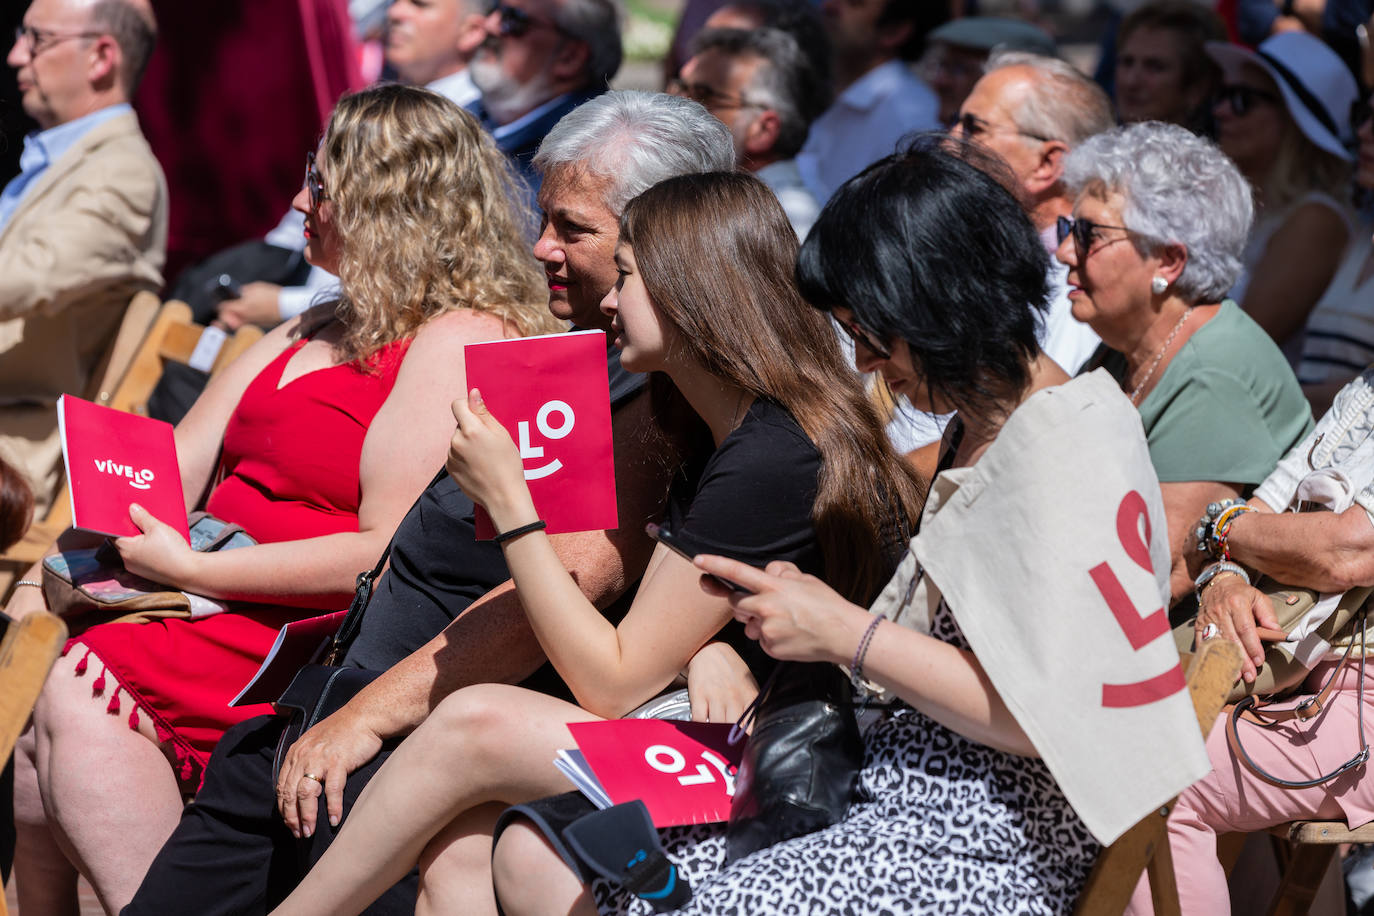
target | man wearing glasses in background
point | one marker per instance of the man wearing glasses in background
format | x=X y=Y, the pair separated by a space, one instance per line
x=540 y=60
x=1031 y=110
x=760 y=85
x=83 y=226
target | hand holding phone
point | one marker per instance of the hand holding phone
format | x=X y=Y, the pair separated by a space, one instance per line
x=667 y=539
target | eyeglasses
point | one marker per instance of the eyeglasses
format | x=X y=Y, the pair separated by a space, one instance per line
x=1243 y=98
x=39 y=40
x=971 y=126
x=516 y=22
x=864 y=339
x=314 y=183
x=1084 y=232
x=708 y=96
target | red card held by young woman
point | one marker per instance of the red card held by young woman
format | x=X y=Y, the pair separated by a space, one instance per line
x=684 y=772
x=115 y=458
x=551 y=395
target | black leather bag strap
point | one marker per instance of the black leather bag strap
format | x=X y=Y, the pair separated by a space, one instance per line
x=362 y=595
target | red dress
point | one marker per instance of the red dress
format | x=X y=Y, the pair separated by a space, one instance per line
x=288 y=470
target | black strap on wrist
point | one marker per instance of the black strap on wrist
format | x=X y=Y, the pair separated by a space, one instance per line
x=514 y=533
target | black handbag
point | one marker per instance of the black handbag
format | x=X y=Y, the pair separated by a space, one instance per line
x=319 y=691
x=802 y=761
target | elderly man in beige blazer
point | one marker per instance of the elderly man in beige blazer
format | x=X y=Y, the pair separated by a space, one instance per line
x=83 y=226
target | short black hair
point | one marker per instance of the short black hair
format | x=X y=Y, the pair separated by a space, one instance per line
x=928 y=246
x=923 y=15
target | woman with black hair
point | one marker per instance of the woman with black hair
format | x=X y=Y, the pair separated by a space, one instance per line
x=929 y=264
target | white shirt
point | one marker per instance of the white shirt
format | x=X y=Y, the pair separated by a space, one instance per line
x=864 y=124
x=1064 y=338
x=784 y=179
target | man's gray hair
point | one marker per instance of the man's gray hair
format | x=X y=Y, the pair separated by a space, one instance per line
x=1178 y=189
x=597 y=24
x=784 y=81
x=134 y=30
x=1061 y=104
x=636 y=139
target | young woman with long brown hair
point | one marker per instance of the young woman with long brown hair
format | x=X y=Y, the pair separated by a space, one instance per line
x=792 y=464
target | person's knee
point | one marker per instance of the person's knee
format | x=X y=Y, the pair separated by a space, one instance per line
x=528 y=874
x=471 y=719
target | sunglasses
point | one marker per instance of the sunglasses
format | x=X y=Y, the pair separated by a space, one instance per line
x=864 y=339
x=1243 y=98
x=972 y=127
x=1084 y=232
x=516 y=22
x=314 y=183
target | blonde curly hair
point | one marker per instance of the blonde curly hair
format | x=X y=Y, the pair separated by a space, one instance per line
x=430 y=217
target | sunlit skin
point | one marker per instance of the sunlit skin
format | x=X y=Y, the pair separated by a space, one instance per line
x=321 y=235
x=993 y=100
x=641 y=333
x=576 y=245
x=1105 y=281
x=429 y=39
x=72 y=73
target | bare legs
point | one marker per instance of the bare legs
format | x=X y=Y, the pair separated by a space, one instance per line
x=530 y=878
x=109 y=795
x=44 y=878
x=488 y=743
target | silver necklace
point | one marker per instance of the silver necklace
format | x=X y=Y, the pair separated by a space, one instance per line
x=1135 y=395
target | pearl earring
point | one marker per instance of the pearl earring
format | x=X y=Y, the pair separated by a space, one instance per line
x=1158 y=285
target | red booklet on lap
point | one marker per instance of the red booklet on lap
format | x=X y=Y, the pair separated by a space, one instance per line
x=114 y=459
x=684 y=772
x=299 y=643
x=551 y=394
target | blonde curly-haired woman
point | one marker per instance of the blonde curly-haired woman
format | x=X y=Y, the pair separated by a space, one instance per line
x=317 y=441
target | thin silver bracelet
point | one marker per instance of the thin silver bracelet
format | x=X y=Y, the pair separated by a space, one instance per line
x=30 y=582
x=1216 y=569
x=856 y=670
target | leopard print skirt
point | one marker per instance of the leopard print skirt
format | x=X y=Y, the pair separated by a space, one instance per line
x=940 y=824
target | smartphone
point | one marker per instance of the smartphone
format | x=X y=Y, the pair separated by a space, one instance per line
x=666 y=538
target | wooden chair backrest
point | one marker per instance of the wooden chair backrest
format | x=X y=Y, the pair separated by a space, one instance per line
x=172 y=338
x=138 y=319
x=1145 y=847
x=27 y=652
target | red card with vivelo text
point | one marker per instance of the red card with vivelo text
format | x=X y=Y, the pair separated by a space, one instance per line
x=684 y=772
x=551 y=394
x=115 y=458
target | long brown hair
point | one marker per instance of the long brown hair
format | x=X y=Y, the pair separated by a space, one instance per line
x=716 y=255
x=16 y=505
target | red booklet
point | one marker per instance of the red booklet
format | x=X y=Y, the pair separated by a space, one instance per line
x=552 y=396
x=299 y=643
x=114 y=459
x=684 y=772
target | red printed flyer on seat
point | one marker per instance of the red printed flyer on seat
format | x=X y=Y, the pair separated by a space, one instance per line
x=551 y=395
x=683 y=771
x=114 y=459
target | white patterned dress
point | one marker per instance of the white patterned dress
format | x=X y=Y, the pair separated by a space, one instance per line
x=941 y=824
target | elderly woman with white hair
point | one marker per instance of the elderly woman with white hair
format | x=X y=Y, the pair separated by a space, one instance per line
x=1153 y=245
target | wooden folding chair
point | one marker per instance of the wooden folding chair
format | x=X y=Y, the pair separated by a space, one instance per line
x=1145 y=847
x=133 y=367
x=27 y=652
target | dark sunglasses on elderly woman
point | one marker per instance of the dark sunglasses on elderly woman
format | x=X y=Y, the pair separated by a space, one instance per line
x=516 y=22
x=314 y=183
x=1084 y=232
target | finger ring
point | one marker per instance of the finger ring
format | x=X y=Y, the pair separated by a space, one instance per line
x=1211 y=631
x=314 y=777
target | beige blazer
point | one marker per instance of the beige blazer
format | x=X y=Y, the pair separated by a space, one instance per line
x=90 y=233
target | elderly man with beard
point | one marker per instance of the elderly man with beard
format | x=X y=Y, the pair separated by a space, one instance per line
x=540 y=60
x=232 y=852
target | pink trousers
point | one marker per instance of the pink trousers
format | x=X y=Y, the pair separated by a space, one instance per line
x=1231 y=799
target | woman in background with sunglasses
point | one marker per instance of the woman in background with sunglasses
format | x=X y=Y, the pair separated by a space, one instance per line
x=317 y=440
x=1282 y=115
x=1153 y=245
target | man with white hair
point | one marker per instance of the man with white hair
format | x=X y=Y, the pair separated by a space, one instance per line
x=232 y=853
x=1030 y=111
x=761 y=86
x=83 y=226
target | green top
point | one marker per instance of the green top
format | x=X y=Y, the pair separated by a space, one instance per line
x=1227 y=407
